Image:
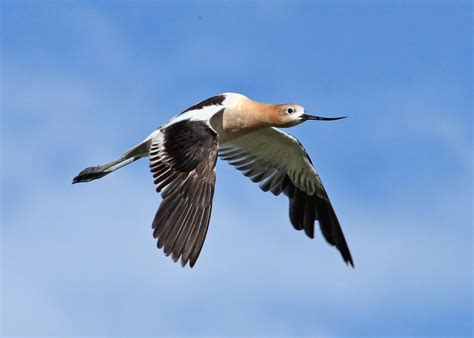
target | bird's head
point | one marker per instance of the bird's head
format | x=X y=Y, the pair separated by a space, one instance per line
x=289 y=115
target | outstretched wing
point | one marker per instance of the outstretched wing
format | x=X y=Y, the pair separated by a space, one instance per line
x=182 y=160
x=279 y=163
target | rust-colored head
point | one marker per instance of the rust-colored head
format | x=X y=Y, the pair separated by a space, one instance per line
x=292 y=114
x=287 y=115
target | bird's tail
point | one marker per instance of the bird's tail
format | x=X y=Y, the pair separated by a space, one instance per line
x=93 y=173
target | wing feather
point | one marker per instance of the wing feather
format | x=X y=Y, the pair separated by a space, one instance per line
x=279 y=163
x=182 y=161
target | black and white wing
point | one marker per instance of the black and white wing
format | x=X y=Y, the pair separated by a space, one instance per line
x=279 y=163
x=182 y=159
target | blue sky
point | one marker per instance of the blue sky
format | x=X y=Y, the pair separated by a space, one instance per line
x=83 y=81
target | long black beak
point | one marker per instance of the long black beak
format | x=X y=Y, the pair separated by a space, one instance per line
x=319 y=118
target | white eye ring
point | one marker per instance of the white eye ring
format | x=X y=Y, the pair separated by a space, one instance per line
x=290 y=110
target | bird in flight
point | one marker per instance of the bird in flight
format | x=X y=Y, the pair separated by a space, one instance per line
x=183 y=154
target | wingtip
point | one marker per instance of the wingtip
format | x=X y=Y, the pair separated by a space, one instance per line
x=348 y=260
x=309 y=232
x=183 y=261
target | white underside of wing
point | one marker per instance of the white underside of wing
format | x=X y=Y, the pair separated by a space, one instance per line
x=273 y=148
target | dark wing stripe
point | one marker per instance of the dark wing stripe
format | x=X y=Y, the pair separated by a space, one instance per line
x=166 y=208
x=201 y=236
x=177 y=229
x=270 y=182
x=296 y=210
x=181 y=240
x=169 y=222
x=277 y=186
x=161 y=231
x=331 y=229
x=279 y=163
x=182 y=160
x=308 y=218
x=188 y=247
x=212 y=101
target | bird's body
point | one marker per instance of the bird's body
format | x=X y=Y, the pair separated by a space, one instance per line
x=183 y=154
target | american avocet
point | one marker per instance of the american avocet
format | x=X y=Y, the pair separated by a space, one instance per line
x=183 y=154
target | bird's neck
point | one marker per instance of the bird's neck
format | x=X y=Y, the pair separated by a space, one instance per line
x=242 y=118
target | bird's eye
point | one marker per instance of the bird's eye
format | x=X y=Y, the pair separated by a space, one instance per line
x=290 y=110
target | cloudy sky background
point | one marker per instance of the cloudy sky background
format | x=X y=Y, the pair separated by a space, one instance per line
x=83 y=81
